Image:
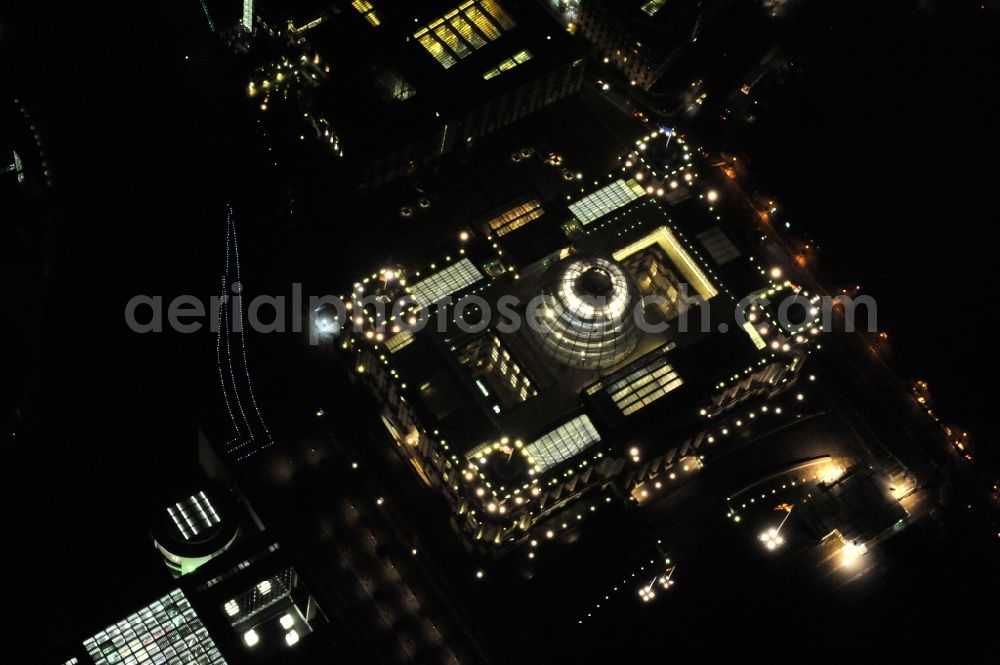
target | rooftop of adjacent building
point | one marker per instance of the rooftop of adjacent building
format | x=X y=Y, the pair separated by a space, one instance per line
x=654 y=24
x=411 y=68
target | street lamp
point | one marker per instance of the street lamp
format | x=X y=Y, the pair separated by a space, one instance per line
x=648 y=593
x=772 y=538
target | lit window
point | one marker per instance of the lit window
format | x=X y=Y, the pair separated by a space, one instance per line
x=606 y=200
x=563 y=442
x=193 y=515
x=393 y=87
x=242 y=610
x=497 y=12
x=653 y=6
x=463 y=30
x=644 y=386
x=435 y=48
x=165 y=631
x=755 y=337
x=442 y=284
x=509 y=63
x=366 y=9
x=450 y=38
x=399 y=341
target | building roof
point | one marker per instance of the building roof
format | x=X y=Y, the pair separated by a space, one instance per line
x=858 y=506
x=456 y=399
x=166 y=630
x=655 y=25
x=196 y=522
x=425 y=63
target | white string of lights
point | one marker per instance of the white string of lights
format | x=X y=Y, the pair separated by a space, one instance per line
x=224 y=328
x=243 y=348
x=218 y=362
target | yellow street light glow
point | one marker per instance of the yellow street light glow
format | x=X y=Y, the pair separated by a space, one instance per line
x=776 y=273
x=830 y=473
x=712 y=196
x=772 y=539
x=850 y=553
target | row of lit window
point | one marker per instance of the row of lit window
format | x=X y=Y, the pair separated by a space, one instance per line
x=442 y=284
x=194 y=515
x=606 y=200
x=262 y=595
x=367 y=9
x=520 y=383
x=463 y=30
x=166 y=631
x=644 y=386
x=513 y=61
x=516 y=217
x=399 y=341
x=563 y=443
x=653 y=6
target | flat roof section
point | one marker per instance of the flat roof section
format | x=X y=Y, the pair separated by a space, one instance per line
x=606 y=200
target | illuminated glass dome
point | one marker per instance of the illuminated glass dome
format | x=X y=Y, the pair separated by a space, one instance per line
x=587 y=321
